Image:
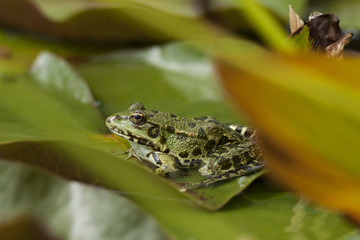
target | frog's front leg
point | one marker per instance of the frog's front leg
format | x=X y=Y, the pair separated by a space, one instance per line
x=165 y=163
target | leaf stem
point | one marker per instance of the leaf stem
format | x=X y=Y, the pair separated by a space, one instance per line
x=265 y=25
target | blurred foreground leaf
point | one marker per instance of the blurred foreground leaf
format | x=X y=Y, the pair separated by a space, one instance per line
x=83 y=20
x=306 y=111
x=127 y=21
x=265 y=25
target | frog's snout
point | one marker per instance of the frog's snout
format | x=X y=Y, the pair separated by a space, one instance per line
x=114 y=119
x=109 y=121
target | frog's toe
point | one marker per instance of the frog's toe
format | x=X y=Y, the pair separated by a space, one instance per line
x=160 y=171
x=165 y=171
x=129 y=153
x=202 y=184
x=206 y=172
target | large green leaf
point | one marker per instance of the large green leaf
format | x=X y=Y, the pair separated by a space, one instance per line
x=31 y=113
x=268 y=215
x=177 y=71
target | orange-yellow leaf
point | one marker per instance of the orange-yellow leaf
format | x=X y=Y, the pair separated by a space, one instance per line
x=307 y=114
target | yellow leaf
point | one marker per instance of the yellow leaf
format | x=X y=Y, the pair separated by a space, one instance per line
x=307 y=112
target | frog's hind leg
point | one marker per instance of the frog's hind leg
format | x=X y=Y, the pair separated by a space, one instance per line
x=230 y=161
x=245 y=131
x=226 y=176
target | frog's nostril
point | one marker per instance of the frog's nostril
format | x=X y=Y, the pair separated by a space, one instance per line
x=118 y=117
x=108 y=120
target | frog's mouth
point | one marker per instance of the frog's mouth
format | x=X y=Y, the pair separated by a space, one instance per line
x=110 y=125
x=129 y=136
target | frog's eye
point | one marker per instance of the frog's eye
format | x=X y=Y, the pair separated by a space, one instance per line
x=137 y=118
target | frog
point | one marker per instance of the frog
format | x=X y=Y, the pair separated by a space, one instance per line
x=219 y=151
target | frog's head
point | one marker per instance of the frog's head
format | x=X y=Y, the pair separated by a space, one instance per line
x=133 y=125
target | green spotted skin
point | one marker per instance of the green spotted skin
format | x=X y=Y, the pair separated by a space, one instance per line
x=219 y=151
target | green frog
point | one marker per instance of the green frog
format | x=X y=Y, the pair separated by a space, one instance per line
x=219 y=151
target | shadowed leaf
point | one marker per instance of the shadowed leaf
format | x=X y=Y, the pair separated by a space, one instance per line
x=24 y=228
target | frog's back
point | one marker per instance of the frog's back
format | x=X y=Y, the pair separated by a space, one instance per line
x=202 y=129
